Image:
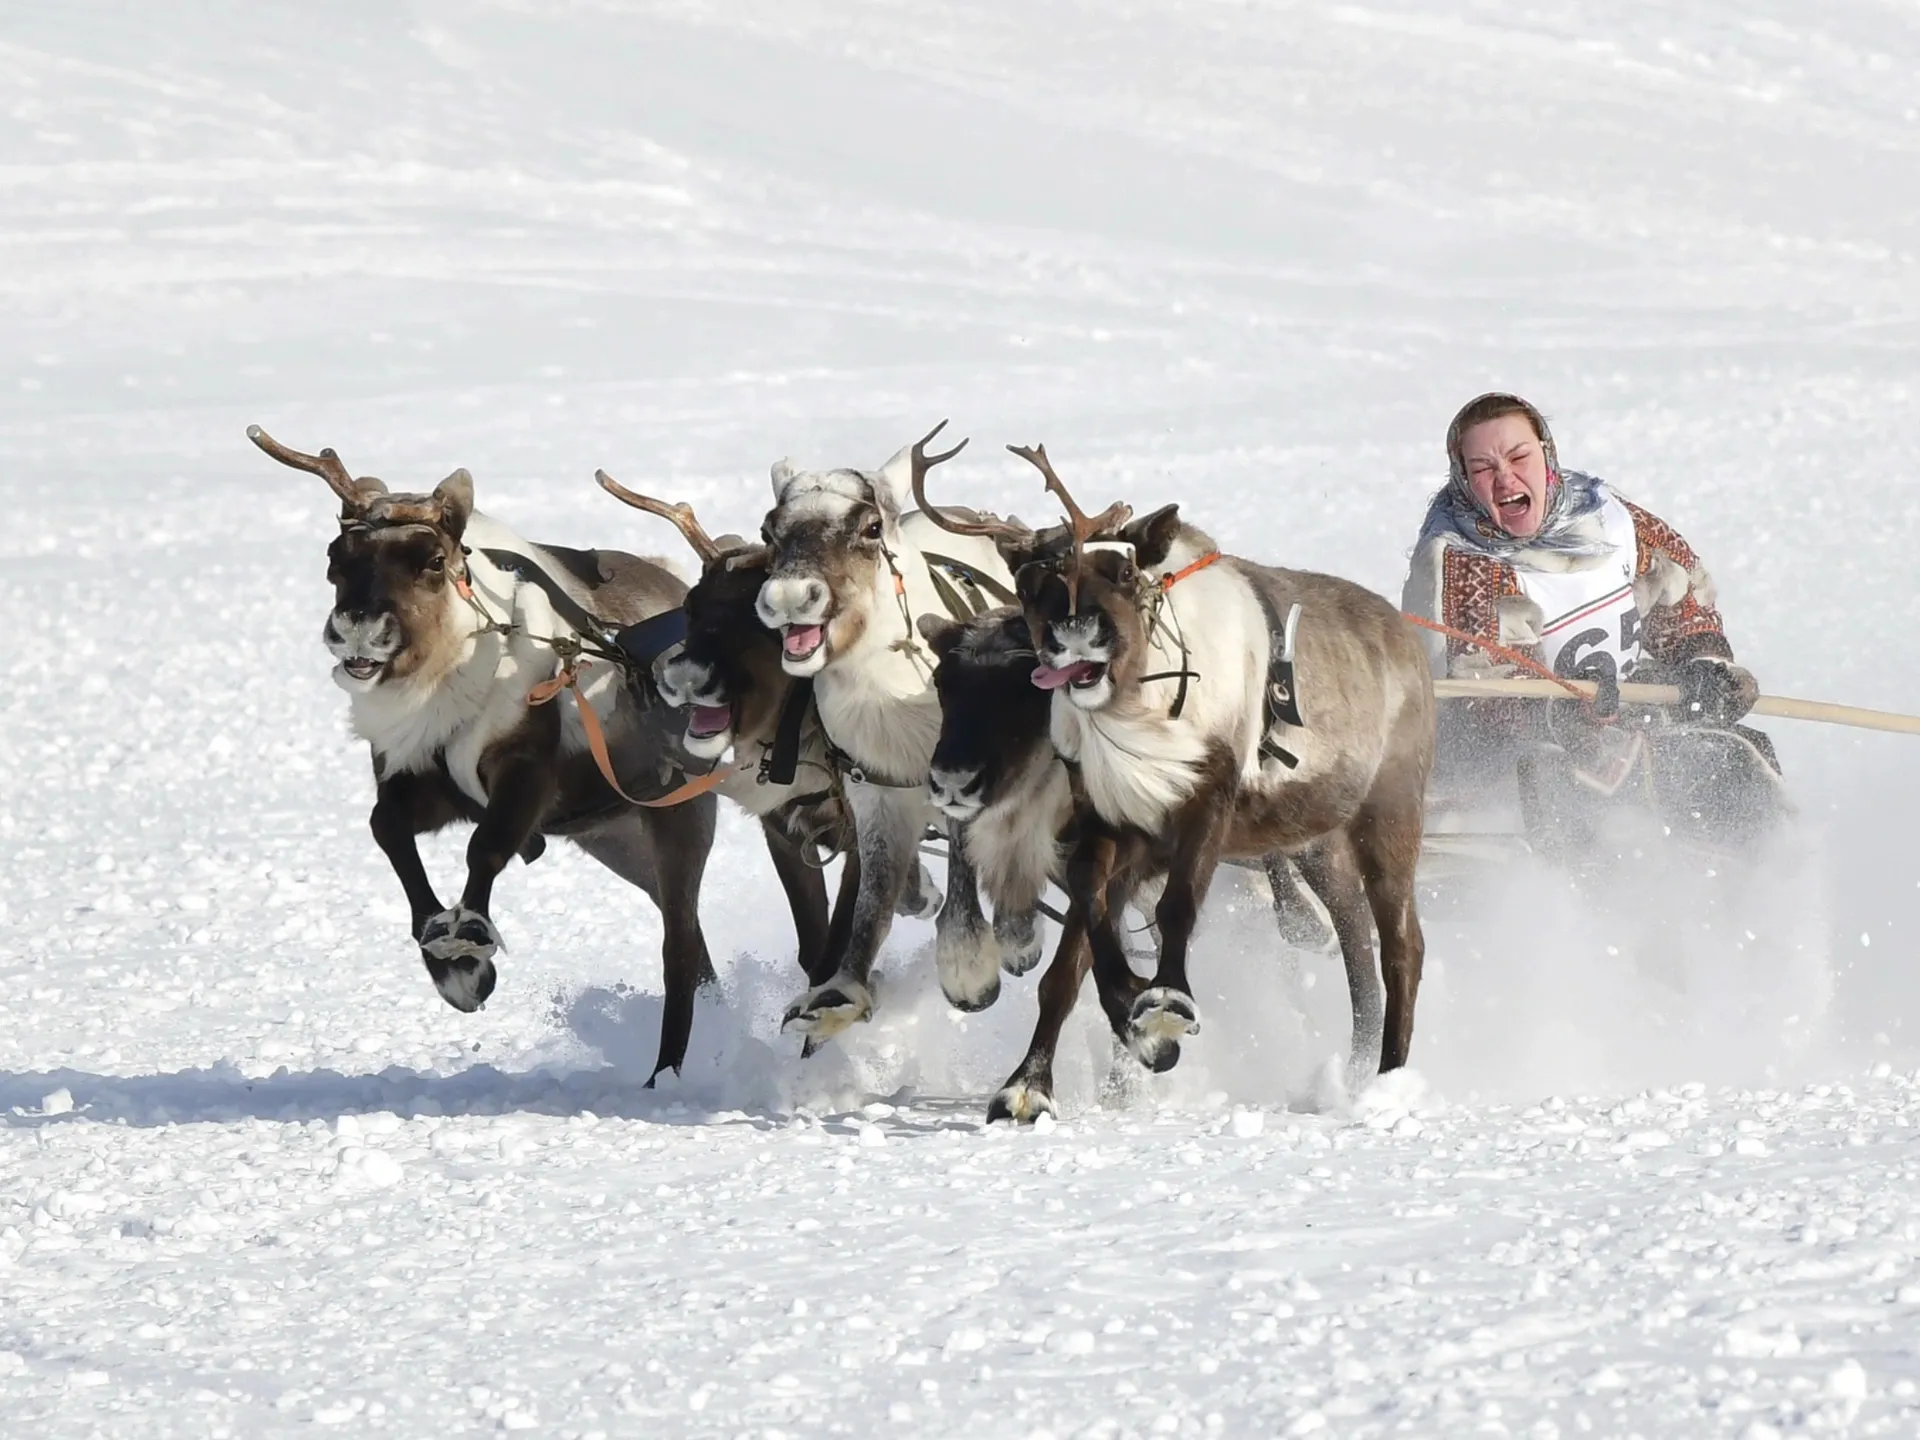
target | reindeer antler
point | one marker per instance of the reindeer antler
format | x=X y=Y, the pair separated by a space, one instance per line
x=681 y=514
x=1082 y=526
x=992 y=527
x=327 y=465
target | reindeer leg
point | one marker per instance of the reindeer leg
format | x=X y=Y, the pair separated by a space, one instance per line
x=1094 y=861
x=965 y=951
x=888 y=823
x=1166 y=1011
x=1029 y=1090
x=806 y=890
x=1332 y=868
x=458 y=945
x=1388 y=841
x=664 y=853
x=404 y=807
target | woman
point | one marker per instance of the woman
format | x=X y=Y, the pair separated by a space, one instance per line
x=1556 y=565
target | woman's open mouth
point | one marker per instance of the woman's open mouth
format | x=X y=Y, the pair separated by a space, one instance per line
x=1513 y=508
x=709 y=720
x=799 y=642
x=1081 y=675
x=361 y=668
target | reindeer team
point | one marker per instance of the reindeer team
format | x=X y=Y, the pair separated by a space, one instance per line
x=1110 y=705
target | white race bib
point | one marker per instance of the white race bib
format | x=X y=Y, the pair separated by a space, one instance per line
x=1590 y=611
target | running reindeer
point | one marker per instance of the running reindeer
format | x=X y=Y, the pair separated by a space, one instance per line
x=1170 y=678
x=847 y=572
x=725 y=676
x=451 y=633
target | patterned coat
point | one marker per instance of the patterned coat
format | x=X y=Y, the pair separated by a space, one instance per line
x=1678 y=620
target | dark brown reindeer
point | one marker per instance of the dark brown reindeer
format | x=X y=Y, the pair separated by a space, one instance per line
x=449 y=629
x=1158 y=657
x=726 y=679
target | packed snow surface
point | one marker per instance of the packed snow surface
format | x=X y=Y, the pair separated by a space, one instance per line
x=1656 y=1170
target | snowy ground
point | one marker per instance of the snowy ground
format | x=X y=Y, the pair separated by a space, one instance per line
x=255 y=1176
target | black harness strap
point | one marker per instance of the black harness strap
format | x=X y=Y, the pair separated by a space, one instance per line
x=525 y=567
x=647 y=640
x=783 y=760
x=974 y=576
x=949 y=597
x=1281 y=694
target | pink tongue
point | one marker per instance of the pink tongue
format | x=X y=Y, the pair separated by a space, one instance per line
x=709 y=720
x=1048 y=678
x=802 y=639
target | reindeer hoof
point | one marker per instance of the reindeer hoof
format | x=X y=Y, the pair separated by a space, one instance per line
x=969 y=968
x=1161 y=1016
x=1019 y=947
x=824 y=1011
x=458 y=946
x=921 y=899
x=1023 y=1101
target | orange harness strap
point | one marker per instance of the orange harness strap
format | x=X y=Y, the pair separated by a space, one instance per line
x=1167 y=582
x=1512 y=657
x=569 y=679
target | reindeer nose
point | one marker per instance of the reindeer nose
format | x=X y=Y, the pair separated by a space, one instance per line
x=948 y=786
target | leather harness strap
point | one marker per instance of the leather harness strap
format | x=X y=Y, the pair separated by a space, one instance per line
x=1183 y=674
x=569 y=679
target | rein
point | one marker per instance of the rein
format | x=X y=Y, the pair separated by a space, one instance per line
x=1162 y=587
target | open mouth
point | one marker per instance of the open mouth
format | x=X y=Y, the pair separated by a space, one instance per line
x=1513 y=508
x=1081 y=675
x=799 y=642
x=361 y=668
x=709 y=720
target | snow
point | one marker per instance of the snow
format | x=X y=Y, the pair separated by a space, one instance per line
x=1655 y=1169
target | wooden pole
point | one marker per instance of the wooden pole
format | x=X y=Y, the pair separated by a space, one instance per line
x=1781 y=706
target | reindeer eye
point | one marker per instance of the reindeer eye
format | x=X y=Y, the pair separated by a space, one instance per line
x=872 y=529
x=437 y=565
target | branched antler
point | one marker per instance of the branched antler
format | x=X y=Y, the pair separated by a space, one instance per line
x=327 y=465
x=1082 y=526
x=990 y=526
x=681 y=514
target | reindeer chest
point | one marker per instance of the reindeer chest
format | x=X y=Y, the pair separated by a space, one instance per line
x=452 y=724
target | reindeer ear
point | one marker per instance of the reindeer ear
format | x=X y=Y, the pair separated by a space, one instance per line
x=894 y=487
x=455 y=494
x=939 y=632
x=1152 y=536
x=1030 y=582
x=783 y=472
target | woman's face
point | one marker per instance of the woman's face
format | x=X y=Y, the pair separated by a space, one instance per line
x=1507 y=473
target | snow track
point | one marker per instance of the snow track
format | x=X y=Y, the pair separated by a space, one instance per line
x=255 y=1176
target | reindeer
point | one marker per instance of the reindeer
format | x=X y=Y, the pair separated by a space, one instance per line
x=451 y=632
x=1161 y=706
x=848 y=572
x=726 y=677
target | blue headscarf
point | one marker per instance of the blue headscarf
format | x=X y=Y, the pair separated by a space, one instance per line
x=1569 y=530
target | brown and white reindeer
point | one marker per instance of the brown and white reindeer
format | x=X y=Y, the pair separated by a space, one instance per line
x=849 y=569
x=450 y=630
x=1159 y=658
x=725 y=677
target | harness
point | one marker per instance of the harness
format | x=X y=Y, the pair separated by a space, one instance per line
x=631 y=650
x=1160 y=606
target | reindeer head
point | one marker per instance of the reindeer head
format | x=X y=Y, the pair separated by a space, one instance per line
x=991 y=713
x=394 y=568
x=727 y=674
x=831 y=537
x=1081 y=585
